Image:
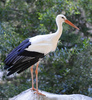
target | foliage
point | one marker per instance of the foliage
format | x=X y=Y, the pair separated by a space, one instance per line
x=68 y=72
x=69 y=69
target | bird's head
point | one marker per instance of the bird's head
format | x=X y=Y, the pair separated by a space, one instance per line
x=61 y=18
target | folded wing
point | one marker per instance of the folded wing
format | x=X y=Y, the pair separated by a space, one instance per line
x=20 y=59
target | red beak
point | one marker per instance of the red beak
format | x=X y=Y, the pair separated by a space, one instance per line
x=68 y=22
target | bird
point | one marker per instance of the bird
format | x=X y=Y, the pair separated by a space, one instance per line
x=31 y=50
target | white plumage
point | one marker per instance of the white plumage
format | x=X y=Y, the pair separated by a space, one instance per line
x=43 y=43
x=47 y=43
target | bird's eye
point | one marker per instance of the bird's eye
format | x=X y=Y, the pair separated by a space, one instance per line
x=62 y=17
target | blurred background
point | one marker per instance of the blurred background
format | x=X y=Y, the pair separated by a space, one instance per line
x=66 y=71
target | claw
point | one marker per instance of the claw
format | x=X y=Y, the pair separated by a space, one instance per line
x=37 y=92
x=33 y=89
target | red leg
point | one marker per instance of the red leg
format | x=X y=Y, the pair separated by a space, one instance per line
x=36 y=72
x=31 y=70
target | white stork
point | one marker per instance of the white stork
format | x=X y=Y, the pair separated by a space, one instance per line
x=32 y=49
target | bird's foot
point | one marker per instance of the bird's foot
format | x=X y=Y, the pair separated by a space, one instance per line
x=33 y=89
x=37 y=92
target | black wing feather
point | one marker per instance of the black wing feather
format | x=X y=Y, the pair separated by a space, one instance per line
x=32 y=62
x=16 y=51
x=20 y=59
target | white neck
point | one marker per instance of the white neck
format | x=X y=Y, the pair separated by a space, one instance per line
x=58 y=33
